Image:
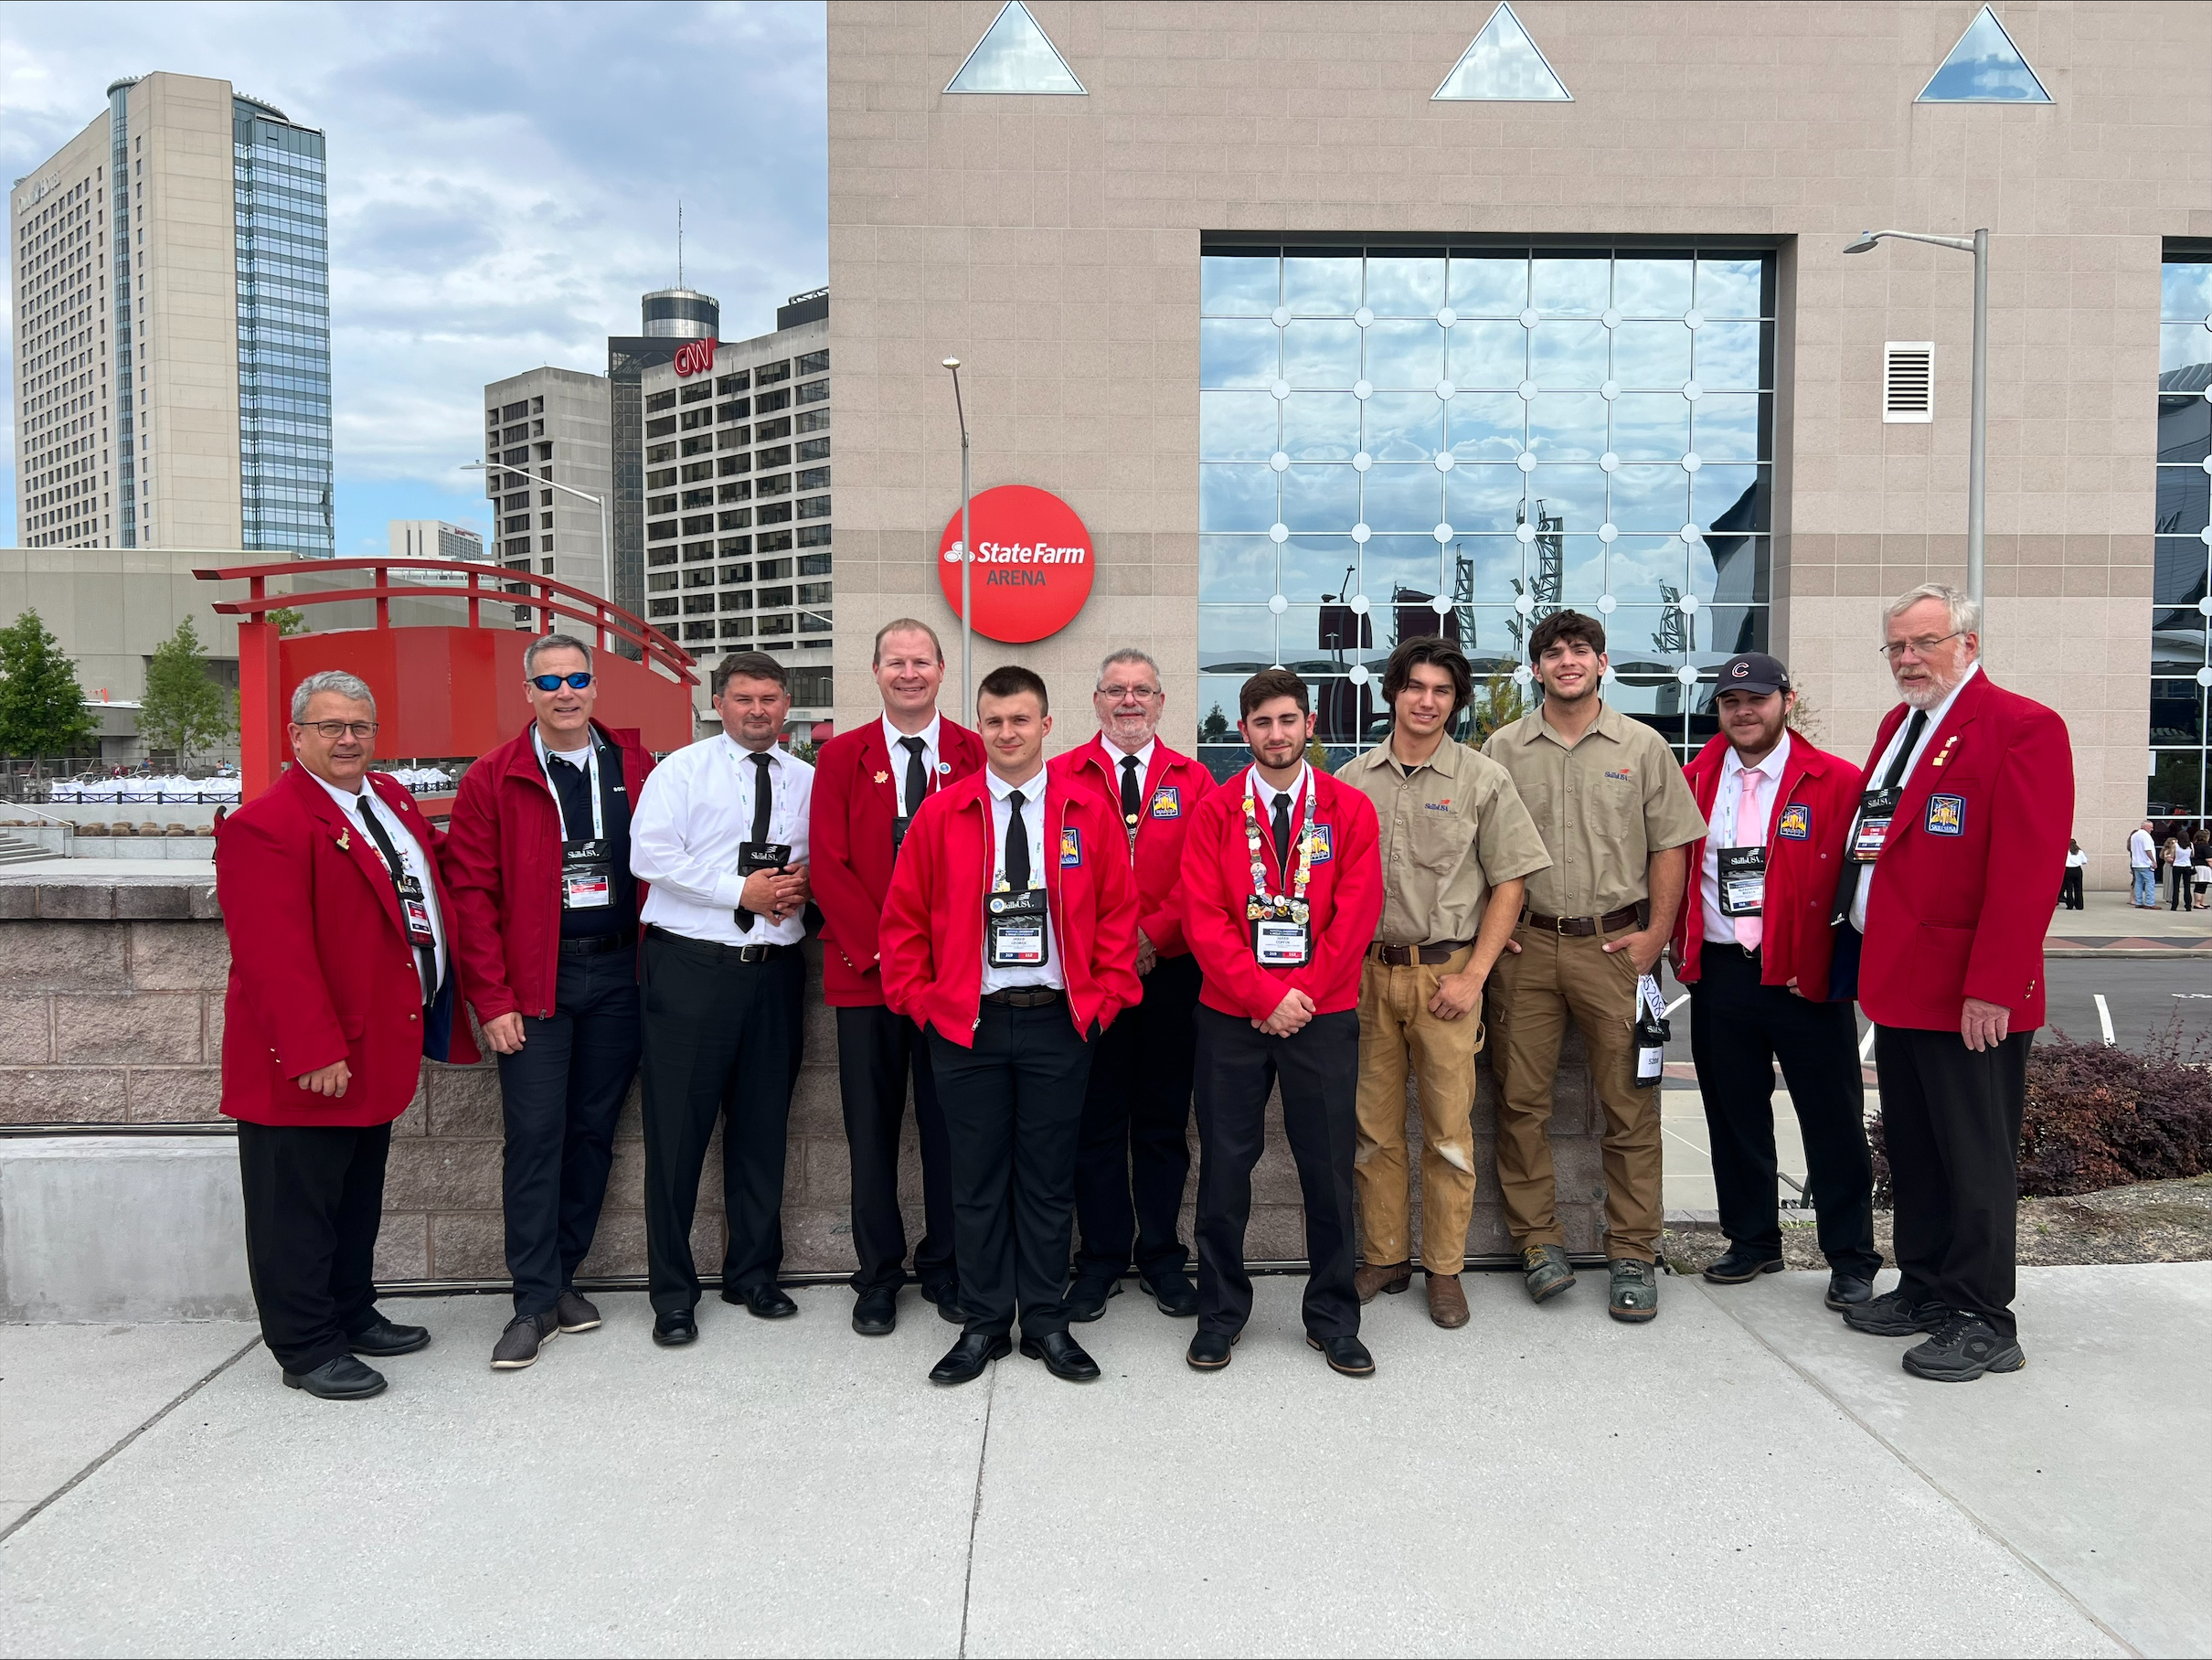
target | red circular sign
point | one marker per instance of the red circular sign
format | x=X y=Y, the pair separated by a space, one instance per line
x=1033 y=563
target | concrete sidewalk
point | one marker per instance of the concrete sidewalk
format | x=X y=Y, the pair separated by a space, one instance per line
x=1742 y=1477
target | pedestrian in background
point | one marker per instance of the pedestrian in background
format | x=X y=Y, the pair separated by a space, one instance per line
x=2142 y=867
x=2200 y=864
x=2180 y=855
x=2069 y=888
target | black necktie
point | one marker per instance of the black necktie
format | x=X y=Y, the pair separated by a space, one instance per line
x=1017 y=844
x=761 y=801
x=396 y=868
x=1283 y=835
x=1129 y=791
x=1913 y=729
x=917 y=777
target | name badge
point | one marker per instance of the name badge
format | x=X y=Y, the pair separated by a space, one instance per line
x=1014 y=929
x=898 y=834
x=1278 y=943
x=1742 y=873
x=1877 y=808
x=415 y=907
x=587 y=876
x=762 y=855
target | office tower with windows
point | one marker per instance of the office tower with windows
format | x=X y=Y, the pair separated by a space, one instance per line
x=669 y=317
x=170 y=269
x=544 y=428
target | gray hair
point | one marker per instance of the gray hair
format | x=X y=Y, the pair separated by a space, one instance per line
x=1128 y=654
x=552 y=642
x=330 y=680
x=1966 y=615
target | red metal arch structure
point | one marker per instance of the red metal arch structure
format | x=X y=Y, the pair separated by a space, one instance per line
x=440 y=691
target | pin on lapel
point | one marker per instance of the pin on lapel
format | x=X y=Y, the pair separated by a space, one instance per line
x=883 y=778
x=346 y=841
x=1948 y=744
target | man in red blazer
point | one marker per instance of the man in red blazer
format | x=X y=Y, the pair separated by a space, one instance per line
x=1010 y=934
x=1282 y=887
x=869 y=785
x=1752 y=944
x=341 y=939
x=1955 y=852
x=1136 y=1115
x=537 y=855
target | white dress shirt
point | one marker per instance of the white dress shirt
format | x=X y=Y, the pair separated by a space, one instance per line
x=412 y=854
x=1033 y=822
x=1264 y=800
x=929 y=757
x=1732 y=827
x=1881 y=770
x=1115 y=754
x=694 y=811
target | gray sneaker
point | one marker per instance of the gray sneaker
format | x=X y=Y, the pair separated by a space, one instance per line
x=575 y=1313
x=519 y=1343
x=1963 y=1348
x=1545 y=1268
x=1635 y=1289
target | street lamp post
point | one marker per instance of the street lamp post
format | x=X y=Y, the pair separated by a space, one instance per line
x=1977 y=440
x=967 y=554
x=606 y=535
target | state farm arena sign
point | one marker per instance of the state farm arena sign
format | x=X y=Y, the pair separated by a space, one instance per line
x=695 y=357
x=1033 y=563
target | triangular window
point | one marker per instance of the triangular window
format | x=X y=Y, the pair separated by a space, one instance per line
x=1502 y=66
x=1985 y=66
x=1013 y=56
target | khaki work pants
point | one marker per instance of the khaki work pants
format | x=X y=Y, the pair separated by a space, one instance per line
x=1532 y=995
x=1394 y=1025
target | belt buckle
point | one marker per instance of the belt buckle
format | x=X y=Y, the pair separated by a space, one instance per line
x=752 y=953
x=1559 y=926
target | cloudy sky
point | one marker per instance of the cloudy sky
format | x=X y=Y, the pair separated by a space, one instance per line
x=504 y=181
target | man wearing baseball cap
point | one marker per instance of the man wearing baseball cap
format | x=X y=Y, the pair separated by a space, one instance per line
x=1753 y=945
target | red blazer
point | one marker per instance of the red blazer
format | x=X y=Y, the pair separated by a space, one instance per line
x=854 y=801
x=1969 y=878
x=1174 y=786
x=933 y=931
x=1806 y=830
x=321 y=970
x=502 y=861
x=1345 y=890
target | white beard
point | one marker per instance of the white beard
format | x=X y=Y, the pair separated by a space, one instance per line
x=1936 y=689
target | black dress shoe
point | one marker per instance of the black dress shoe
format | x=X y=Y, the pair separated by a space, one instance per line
x=674 y=1327
x=1849 y=1291
x=1087 y=1298
x=343 y=1378
x=384 y=1339
x=965 y=1361
x=947 y=1299
x=1742 y=1264
x=875 y=1314
x=1173 y=1294
x=1209 y=1351
x=1346 y=1355
x=766 y=1301
x=1063 y=1356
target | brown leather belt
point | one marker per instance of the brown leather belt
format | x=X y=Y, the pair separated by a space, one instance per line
x=1581 y=928
x=1024 y=996
x=1406 y=956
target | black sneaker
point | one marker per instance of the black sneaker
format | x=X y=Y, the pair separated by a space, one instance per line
x=576 y=1314
x=1087 y=1298
x=1889 y=1315
x=525 y=1335
x=1964 y=1348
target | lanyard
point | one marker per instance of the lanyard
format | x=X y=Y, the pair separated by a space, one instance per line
x=591 y=769
x=1263 y=904
x=767 y=775
x=998 y=853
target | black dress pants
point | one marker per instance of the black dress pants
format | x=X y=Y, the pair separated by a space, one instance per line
x=1136 y=1156
x=723 y=1041
x=1738 y=1030
x=1317 y=1067
x=561 y=1092
x=1951 y=1124
x=1014 y=1109
x=877 y=1051
x=314 y=1199
x=2069 y=888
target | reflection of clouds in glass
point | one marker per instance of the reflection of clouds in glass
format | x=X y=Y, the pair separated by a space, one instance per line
x=1575 y=287
x=1487 y=354
x=2185 y=292
x=1489 y=288
x=1231 y=636
x=1983 y=68
x=1391 y=562
x=1236 y=426
x=1236 y=566
x=1725 y=427
x=1652 y=288
x=1650 y=497
x=1651 y=426
x=1402 y=498
x=1314 y=287
x=1238 y=285
x=1567 y=426
x=1315 y=565
x=1568 y=355
x=1582 y=570
x=1575 y=495
x=2181 y=344
x=1235 y=497
x=1718 y=497
x=1321 y=497
x=1239 y=354
x=1651 y=355
x=1727 y=355
x=1486 y=426
x=1502 y=63
x=1481 y=498
x=1404 y=426
x=1320 y=426
x=1728 y=288
x=1320 y=353
x=1405 y=354
x=1405 y=288
x=1495 y=563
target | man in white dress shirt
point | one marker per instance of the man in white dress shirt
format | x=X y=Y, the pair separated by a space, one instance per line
x=720 y=833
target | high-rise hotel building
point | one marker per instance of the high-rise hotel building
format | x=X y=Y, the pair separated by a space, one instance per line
x=170 y=275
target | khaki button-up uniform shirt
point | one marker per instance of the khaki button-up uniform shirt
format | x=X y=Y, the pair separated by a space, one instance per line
x=1452 y=829
x=1602 y=806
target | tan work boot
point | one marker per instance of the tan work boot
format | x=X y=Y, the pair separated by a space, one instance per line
x=1391 y=1277
x=1447 y=1301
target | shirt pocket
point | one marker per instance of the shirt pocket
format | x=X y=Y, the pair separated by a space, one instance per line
x=1438 y=840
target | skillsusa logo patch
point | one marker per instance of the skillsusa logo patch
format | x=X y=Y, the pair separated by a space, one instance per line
x=1167 y=802
x=1072 y=846
x=1324 y=846
x=1796 y=822
x=1946 y=815
x=1621 y=775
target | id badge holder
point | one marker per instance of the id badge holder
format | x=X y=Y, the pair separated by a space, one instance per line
x=416 y=908
x=1742 y=873
x=1014 y=929
x=1877 y=808
x=898 y=833
x=762 y=855
x=587 y=876
x=1279 y=942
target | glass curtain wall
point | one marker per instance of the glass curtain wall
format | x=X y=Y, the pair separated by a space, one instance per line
x=2181 y=600
x=1406 y=440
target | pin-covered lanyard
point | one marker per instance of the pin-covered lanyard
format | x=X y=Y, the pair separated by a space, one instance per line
x=590 y=771
x=1263 y=904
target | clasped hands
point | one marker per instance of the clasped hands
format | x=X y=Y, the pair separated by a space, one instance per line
x=776 y=894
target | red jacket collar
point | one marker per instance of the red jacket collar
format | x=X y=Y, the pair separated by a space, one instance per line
x=519 y=756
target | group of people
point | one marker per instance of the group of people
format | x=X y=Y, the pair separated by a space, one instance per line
x=2186 y=855
x=1062 y=957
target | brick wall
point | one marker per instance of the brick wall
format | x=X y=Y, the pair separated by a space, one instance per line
x=111 y=1008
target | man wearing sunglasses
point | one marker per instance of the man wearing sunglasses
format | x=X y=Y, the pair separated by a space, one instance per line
x=539 y=860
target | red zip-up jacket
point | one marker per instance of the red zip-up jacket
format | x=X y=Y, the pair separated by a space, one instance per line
x=849 y=821
x=1345 y=892
x=1174 y=785
x=1808 y=823
x=933 y=931
x=501 y=860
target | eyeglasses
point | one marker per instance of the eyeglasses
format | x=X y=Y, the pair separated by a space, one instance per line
x=332 y=730
x=1920 y=647
x=1118 y=692
x=553 y=683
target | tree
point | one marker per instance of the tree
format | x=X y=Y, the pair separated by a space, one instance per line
x=1500 y=703
x=42 y=707
x=288 y=621
x=1214 y=728
x=182 y=709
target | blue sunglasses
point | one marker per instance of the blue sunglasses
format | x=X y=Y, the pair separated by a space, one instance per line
x=553 y=683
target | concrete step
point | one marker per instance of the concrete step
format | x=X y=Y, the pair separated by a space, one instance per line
x=13 y=851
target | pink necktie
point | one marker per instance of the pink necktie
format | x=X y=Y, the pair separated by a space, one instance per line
x=1750 y=931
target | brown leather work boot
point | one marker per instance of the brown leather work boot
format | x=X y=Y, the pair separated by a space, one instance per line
x=1391 y=1277
x=1447 y=1301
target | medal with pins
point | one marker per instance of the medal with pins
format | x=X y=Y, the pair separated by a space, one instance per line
x=1263 y=904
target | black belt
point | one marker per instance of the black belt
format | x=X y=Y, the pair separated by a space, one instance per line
x=593 y=945
x=1581 y=928
x=1024 y=996
x=727 y=953
x=1406 y=956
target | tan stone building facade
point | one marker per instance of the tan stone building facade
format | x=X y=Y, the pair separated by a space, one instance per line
x=1058 y=245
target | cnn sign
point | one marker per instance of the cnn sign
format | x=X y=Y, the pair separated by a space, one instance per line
x=696 y=358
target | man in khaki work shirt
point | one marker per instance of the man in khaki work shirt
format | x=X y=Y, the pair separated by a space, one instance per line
x=1455 y=843
x=1609 y=799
